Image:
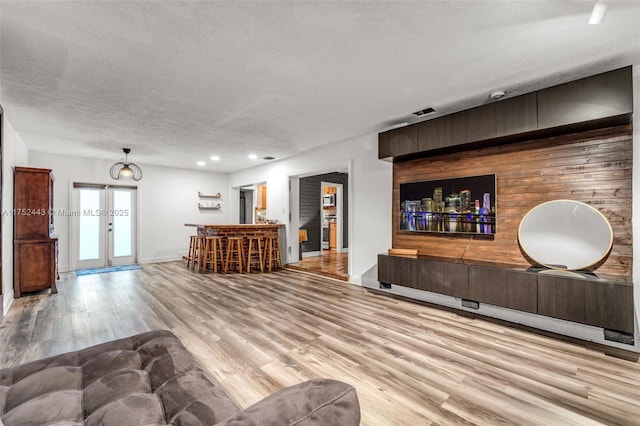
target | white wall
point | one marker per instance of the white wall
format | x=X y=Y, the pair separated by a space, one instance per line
x=167 y=199
x=14 y=153
x=370 y=184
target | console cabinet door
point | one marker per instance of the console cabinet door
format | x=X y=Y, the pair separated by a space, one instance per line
x=601 y=96
x=451 y=279
x=397 y=270
x=501 y=287
x=398 y=142
x=598 y=303
x=34 y=266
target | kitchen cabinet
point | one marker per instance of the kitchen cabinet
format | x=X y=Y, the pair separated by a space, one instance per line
x=34 y=249
x=333 y=237
x=262 y=197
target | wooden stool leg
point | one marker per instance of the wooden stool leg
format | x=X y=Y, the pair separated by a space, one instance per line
x=191 y=252
x=201 y=253
x=229 y=248
x=249 y=251
x=240 y=255
x=220 y=255
x=214 y=256
x=260 y=256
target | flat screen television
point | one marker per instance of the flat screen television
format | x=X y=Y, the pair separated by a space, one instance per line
x=465 y=205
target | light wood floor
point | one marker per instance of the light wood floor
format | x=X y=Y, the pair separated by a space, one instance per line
x=412 y=364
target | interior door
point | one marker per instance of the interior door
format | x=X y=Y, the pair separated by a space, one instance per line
x=103 y=226
x=121 y=226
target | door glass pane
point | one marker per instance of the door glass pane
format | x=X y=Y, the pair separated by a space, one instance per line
x=122 y=223
x=89 y=224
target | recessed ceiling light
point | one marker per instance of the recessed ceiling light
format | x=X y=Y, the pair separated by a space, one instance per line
x=252 y=156
x=215 y=158
x=597 y=14
x=201 y=163
x=424 y=111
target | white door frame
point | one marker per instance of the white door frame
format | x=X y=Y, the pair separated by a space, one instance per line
x=339 y=204
x=106 y=215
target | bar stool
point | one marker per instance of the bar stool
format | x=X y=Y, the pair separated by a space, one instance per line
x=235 y=253
x=195 y=257
x=272 y=252
x=254 y=248
x=213 y=253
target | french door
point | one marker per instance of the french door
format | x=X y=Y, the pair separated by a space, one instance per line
x=103 y=225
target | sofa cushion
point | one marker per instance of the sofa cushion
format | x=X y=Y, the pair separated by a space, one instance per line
x=151 y=379
x=315 y=402
x=146 y=379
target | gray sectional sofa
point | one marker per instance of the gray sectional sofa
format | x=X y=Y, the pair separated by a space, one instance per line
x=151 y=379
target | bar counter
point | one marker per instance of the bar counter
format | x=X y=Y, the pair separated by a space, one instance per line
x=238 y=230
x=245 y=231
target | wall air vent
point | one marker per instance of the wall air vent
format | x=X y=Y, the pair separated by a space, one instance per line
x=424 y=112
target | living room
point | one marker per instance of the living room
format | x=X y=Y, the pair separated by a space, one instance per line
x=163 y=295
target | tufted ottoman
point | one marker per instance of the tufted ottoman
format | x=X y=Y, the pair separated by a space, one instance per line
x=151 y=379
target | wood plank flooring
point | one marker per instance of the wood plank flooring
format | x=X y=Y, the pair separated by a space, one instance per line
x=330 y=264
x=412 y=364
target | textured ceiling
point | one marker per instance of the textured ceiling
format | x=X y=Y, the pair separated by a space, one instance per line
x=179 y=82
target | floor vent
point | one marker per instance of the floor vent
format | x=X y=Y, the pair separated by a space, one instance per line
x=618 y=336
x=470 y=304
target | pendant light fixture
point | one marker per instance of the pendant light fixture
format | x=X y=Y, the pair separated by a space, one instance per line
x=126 y=170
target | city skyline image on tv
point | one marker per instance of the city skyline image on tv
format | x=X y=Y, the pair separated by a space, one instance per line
x=465 y=205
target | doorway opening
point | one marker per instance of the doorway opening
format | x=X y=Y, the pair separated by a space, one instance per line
x=103 y=226
x=253 y=203
x=322 y=212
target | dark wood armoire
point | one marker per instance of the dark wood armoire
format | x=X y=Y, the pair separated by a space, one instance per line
x=34 y=256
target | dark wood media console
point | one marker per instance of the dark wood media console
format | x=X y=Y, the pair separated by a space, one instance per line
x=605 y=302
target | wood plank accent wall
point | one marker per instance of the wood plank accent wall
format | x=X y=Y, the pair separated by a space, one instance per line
x=594 y=167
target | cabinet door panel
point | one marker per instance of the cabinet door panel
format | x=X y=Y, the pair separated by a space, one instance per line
x=517 y=115
x=597 y=303
x=592 y=98
x=443 y=132
x=35 y=265
x=500 y=287
x=483 y=123
x=397 y=270
x=398 y=142
x=32 y=202
x=442 y=277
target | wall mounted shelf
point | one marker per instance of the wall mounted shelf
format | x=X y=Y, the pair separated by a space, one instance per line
x=205 y=207
x=201 y=195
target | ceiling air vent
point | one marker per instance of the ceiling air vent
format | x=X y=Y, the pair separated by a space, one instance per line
x=424 y=112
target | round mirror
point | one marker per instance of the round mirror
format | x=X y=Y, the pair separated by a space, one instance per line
x=565 y=234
